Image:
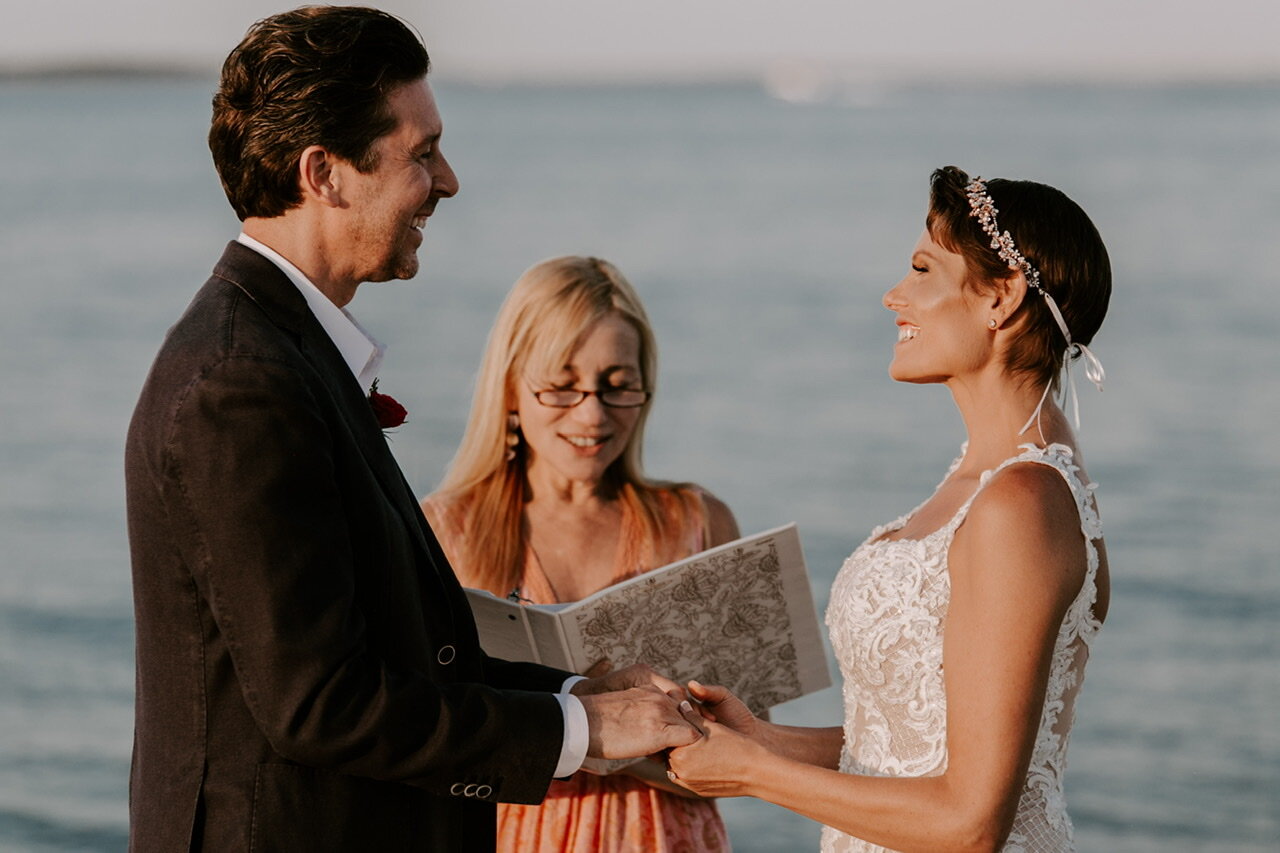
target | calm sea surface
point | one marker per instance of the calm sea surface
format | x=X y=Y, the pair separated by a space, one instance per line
x=761 y=235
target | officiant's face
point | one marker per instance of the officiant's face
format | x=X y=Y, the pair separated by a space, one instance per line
x=941 y=322
x=389 y=206
x=578 y=444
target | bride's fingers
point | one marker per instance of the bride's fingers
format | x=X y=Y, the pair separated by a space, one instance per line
x=709 y=694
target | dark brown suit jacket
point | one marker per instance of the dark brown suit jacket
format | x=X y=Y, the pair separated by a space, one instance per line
x=308 y=672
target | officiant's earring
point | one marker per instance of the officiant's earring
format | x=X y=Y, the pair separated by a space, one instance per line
x=991 y=324
x=513 y=435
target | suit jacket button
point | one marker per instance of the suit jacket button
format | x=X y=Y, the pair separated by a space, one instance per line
x=484 y=792
x=446 y=655
x=456 y=789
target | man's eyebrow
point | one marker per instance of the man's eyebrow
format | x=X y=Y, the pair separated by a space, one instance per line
x=427 y=141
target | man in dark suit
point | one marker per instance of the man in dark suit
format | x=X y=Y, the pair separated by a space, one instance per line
x=308 y=671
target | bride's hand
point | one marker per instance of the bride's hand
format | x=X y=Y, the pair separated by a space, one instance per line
x=718 y=763
x=717 y=703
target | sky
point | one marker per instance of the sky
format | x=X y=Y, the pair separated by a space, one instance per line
x=565 y=40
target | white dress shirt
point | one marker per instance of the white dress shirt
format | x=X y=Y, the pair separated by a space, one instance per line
x=363 y=354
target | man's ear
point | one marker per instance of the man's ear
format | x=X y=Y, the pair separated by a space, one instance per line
x=320 y=176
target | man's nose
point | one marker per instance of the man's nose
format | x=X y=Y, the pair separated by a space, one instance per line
x=445 y=181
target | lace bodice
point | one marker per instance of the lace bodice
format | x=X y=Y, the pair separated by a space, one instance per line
x=887 y=617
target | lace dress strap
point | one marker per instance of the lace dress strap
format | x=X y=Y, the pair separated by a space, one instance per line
x=1061 y=459
x=1056 y=456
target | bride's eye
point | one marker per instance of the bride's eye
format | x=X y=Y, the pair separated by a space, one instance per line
x=919 y=268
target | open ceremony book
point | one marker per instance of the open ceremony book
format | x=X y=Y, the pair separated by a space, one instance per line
x=740 y=615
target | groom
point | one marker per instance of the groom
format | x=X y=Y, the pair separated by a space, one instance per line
x=308 y=672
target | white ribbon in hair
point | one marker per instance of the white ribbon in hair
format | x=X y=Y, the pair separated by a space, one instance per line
x=1092 y=369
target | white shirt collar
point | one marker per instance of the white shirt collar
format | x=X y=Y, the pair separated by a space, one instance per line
x=360 y=350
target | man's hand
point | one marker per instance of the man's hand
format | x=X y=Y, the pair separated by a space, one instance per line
x=635 y=722
x=636 y=675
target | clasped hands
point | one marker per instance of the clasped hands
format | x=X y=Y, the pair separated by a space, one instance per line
x=712 y=740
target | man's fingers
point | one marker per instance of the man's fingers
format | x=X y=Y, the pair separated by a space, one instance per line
x=639 y=721
x=692 y=716
x=666 y=685
x=599 y=668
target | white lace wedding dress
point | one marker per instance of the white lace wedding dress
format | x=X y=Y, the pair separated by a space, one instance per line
x=886 y=617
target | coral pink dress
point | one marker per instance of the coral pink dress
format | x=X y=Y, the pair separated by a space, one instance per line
x=617 y=813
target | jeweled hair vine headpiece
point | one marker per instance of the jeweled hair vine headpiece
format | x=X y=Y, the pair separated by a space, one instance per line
x=983 y=208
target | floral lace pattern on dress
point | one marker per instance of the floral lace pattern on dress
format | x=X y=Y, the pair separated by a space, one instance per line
x=886 y=617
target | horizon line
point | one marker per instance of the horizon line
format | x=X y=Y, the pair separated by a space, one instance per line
x=788 y=80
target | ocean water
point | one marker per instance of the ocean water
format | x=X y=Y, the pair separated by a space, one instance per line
x=761 y=235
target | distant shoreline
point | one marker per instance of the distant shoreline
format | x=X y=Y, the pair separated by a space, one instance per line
x=809 y=83
x=105 y=71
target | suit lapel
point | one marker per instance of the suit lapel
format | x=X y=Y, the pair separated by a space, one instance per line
x=363 y=425
x=264 y=283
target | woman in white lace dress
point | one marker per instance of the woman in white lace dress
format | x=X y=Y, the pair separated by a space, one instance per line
x=962 y=628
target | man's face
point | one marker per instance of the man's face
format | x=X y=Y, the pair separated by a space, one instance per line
x=389 y=206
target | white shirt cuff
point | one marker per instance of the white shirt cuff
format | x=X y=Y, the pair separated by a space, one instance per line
x=573 y=749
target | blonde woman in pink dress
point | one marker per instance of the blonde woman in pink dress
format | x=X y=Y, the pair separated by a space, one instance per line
x=962 y=629
x=546 y=500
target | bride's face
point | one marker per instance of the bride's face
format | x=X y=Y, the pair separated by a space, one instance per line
x=942 y=330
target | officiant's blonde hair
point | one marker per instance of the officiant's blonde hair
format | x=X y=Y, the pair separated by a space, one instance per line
x=544 y=318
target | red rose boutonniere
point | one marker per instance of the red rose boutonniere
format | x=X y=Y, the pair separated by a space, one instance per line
x=389 y=413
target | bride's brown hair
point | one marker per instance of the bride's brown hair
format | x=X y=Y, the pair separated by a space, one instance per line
x=1055 y=235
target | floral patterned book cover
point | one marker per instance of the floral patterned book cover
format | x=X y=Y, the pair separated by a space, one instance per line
x=741 y=615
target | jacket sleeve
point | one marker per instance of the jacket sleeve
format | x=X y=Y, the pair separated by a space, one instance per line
x=261 y=503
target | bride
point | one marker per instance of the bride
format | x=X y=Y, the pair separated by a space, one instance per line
x=961 y=629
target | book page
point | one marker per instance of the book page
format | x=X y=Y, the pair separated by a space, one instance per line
x=740 y=615
x=503 y=627
x=512 y=631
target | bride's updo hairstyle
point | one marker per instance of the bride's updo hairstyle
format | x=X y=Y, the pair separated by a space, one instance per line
x=1055 y=237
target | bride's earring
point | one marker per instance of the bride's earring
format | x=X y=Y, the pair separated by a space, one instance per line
x=513 y=435
x=991 y=324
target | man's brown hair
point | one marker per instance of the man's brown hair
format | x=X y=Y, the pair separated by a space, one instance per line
x=318 y=75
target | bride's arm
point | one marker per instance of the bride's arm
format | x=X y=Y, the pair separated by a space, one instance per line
x=1015 y=566
x=819 y=747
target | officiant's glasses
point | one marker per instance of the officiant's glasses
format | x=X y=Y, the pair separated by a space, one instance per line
x=614 y=398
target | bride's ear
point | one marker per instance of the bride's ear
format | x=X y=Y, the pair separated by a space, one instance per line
x=1006 y=296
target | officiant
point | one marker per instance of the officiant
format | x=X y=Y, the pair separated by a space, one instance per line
x=546 y=500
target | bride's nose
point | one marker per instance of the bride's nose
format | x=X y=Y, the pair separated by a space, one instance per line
x=892 y=298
